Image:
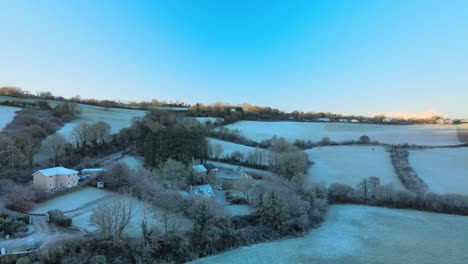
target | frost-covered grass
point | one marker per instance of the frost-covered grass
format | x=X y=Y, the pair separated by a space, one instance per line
x=444 y=170
x=361 y=234
x=350 y=164
x=7 y=113
x=211 y=119
x=229 y=148
x=142 y=210
x=117 y=118
x=392 y=134
x=71 y=201
x=132 y=162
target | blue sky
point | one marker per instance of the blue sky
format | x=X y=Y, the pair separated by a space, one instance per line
x=352 y=57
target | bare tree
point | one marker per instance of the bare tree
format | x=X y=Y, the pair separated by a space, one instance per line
x=55 y=146
x=100 y=133
x=217 y=150
x=244 y=185
x=81 y=134
x=111 y=219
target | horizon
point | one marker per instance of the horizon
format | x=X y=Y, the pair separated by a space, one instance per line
x=310 y=57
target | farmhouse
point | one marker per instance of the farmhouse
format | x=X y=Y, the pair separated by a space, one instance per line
x=55 y=178
x=225 y=178
x=199 y=170
x=354 y=121
x=344 y=120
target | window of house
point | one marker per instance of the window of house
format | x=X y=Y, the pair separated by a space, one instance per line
x=50 y=185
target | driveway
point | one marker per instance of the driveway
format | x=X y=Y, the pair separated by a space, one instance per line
x=43 y=233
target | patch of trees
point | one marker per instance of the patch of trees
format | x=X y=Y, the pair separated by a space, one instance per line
x=58 y=218
x=369 y=191
x=287 y=160
x=162 y=136
x=11 y=224
x=20 y=140
x=234 y=136
x=407 y=175
x=66 y=111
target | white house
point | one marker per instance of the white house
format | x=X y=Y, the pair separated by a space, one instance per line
x=354 y=121
x=344 y=120
x=55 y=178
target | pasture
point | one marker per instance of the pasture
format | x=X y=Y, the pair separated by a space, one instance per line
x=363 y=234
x=430 y=135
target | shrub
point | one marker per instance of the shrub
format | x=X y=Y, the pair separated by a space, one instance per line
x=58 y=218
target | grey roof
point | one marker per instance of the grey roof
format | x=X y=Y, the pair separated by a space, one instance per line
x=199 y=168
x=230 y=174
x=55 y=171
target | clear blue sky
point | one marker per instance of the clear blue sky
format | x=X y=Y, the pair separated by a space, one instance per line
x=356 y=57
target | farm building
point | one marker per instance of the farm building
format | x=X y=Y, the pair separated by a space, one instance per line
x=199 y=170
x=205 y=190
x=225 y=178
x=55 y=178
x=92 y=171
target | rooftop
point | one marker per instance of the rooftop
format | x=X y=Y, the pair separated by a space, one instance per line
x=199 y=168
x=55 y=171
x=230 y=174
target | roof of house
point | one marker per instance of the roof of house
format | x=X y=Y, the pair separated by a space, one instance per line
x=55 y=171
x=230 y=174
x=199 y=168
x=203 y=190
x=92 y=170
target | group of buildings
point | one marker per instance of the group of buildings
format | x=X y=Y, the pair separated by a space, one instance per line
x=58 y=178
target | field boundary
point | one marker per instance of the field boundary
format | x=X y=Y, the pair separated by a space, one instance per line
x=408 y=176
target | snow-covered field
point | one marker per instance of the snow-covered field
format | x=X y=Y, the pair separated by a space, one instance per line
x=142 y=210
x=350 y=164
x=392 y=134
x=229 y=148
x=7 y=113
x=211 y=119
x=361 y=234
x=71 y=201
x=117 y=118
x=444 y=170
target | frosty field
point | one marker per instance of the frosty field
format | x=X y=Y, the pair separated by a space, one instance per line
x=444 y=170
x=391 y=134
x=71 y=201
x=362 y=234
x=7 y=113
x=229 y=148
x=350 y=164
x=117 y=118
x=142 y=210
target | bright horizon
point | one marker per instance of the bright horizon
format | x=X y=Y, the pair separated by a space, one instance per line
x=349 y=57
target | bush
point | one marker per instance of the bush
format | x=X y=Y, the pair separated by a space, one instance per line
x=10 y=226
x=58 y=218
x=23 y=260
x=235 y=199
